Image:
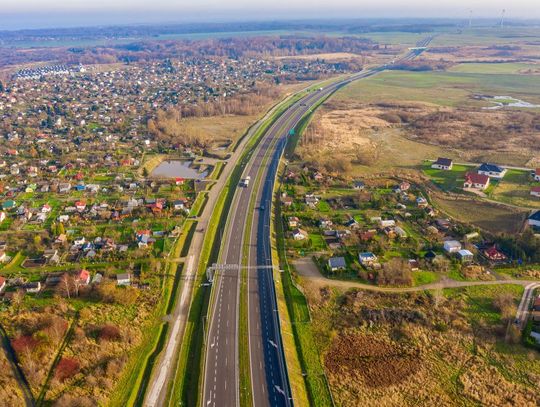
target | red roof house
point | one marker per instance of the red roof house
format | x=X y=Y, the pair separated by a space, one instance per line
x=476 y=181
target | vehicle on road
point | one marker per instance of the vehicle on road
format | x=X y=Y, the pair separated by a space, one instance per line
x=245 y=182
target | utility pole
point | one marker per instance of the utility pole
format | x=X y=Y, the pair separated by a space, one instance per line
x=502 y=18
x=470 y=18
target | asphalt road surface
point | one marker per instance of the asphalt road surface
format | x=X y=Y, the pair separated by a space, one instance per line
x=269 y=378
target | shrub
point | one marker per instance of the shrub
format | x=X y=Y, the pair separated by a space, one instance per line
x=109 y=333
x=24 y=343
x=66 y=368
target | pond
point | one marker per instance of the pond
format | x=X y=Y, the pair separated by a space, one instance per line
x=177 y=168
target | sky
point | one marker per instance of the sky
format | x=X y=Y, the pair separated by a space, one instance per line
x=16 y=14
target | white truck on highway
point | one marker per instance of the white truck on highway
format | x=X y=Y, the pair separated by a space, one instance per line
x=245 y=182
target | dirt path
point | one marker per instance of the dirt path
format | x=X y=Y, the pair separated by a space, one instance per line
x=309 y=271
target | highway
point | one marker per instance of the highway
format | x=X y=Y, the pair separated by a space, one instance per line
x=269 y=378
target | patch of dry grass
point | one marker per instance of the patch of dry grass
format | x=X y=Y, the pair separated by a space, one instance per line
x=10 y=393
x=421 y=349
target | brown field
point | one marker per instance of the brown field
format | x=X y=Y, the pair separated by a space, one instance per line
x=443 y=348
x=491 y=217
x=364 y=135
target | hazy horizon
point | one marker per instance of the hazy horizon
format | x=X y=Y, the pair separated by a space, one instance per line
x=29 y=14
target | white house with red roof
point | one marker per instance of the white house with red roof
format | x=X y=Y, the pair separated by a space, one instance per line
x=474 y=180
x=80 y=205
x=535 y=191
x=537 y=174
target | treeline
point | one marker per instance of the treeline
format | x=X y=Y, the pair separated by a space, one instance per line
x=146 y=51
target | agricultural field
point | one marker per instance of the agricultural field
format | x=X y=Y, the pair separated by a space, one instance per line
x=386 y=348
x=488 y=216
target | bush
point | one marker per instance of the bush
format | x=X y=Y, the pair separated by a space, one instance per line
x=66 y=368
x=109 y=333
x=24 y=343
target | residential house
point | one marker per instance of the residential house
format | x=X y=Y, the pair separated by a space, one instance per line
x=359 y=185
x=337 y=263
x=123 y=279
x=3 y=256
x=179 y=204
x=2 y=283
x=79 y=241
x=299 y=234
x=367 y=259
x=325 y=223
x=534 y=219
x=385 y=223
x=465 y=255
x=311 y=200
x=400 y=232
x=33 y=287
x=64 y=187
x=421 y=202
x=404 y=186
x=51 y=255
x=452 y=246
x=476 y=181
x=536 y=174
x=2 y=216
x=443 y=164
x=286 y=201
x=535 y=191
x=492 y=170
x=294 y=222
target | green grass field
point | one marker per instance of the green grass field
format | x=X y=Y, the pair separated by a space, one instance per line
x=495 y=68
x=442 y=88
x=447 y=180
x=515 y=189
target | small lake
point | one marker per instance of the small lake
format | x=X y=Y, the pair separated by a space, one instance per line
x=177 y=168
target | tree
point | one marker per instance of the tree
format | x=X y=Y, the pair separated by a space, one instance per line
x=504 y=303
x=60 y=229
x=397 y=271
x=65 y=285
